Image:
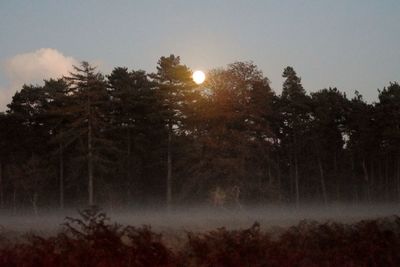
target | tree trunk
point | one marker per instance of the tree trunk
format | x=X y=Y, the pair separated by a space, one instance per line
x=1 y=186
x=128 y=167
x=279 y=179
x=335 y=167
x=380 y=181
x=371 y=183
x=14 y=202
x=322 y=180
x=34 y=204
x=296 y=171
x=291 y=178
x=354 y=181
x=398 y=178
x=61 y=176
x=366 y=178
x=169 y=168
x=270 y=177
x=387 y=182
x=296 y=180
x=90 y=158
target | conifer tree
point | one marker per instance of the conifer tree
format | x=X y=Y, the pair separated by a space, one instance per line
x=87 y=119
x=174 y=84
x=295 y=112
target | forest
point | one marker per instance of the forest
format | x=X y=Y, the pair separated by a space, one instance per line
x=131 y=138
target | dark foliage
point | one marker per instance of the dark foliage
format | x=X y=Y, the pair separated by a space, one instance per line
x=137 y=138
x=247 y=247
x=92 y=240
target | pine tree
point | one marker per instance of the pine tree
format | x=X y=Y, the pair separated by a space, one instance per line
x=174 y=84
x=87 y=120
x=56 y=93
x=137 y=123
x=388 y=121
x=362 y=144
x=295 y=110
x=329 y=109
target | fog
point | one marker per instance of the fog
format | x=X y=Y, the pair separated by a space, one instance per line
x=198 y=219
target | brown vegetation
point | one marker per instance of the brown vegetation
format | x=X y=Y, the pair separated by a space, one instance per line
x=93 y=241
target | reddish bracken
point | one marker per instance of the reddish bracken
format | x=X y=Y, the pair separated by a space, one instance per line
x=92 y=241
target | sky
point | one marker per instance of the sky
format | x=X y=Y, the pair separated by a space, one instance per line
x=348 y=44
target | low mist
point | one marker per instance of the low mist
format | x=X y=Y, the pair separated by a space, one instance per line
x=201 y=218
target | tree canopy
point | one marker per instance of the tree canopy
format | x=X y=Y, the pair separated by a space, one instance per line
x=133 y=138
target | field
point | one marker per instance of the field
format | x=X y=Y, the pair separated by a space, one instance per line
x=268 y=236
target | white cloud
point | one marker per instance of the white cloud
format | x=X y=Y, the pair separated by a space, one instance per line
x=33 y=68
x=5 y=97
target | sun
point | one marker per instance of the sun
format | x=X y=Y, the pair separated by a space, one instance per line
x=198 y=77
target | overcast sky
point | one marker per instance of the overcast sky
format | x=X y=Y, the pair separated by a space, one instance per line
x=349 y=44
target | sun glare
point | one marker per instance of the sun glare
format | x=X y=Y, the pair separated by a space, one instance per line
x=198 y=77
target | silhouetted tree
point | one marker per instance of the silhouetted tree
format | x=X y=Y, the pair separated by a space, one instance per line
x=231 y=136
x=295 y=110
x=173 y=85
x=137 y=123
x=329 y=109
x=388 y=121
x=88 y=120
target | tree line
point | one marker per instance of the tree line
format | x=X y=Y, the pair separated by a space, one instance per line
x=135 y=138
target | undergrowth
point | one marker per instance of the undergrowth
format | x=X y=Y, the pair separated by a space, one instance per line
x=92 y=240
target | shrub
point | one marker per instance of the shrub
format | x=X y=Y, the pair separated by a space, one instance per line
x=227 y=248
x=91 y=240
